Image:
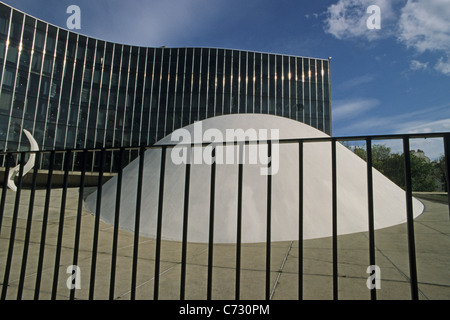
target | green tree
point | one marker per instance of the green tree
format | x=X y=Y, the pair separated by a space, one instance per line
x=440 y=174
x=380 y=153
x=392 y=165
x=394 y=168
x=422 y=175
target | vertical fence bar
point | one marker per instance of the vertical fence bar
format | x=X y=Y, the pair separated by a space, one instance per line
x=28 y=231
x=13 y=229
x=410 y=221
x=239 y=222
x=269 y=220
x=116 y=226
x=334 y=218
x=187 y=178
x=79 y=214
x=61 y=224
x=159 y=223
x=4 y=189
x=211 y=226
x=96 y=225
x=37 y=288
x=447 y=167
x=137 y=220
x=300 y=220
x=373 y=292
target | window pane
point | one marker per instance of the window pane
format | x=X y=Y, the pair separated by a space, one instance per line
x=4 y=121
x=16 y=27
x=2 y=52
x=21 y=82
x=81 y=49
x=45 y=87
x=28 y=32
x=30 y=108
x=48 y=64
x=8 y=78
x=4 y=19
x=25 y=57
x=36 y=62
x=14 y=130
x=5 y=102
x=41 y=111
x=11 y=57
x=71 y=46
x=39 y=38
x=51 y=40
x=18 y=105
x=61 y=47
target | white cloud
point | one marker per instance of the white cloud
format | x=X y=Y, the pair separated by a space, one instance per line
x=357 y=81
x=315 y=15
x=417 y=65
x=424 y=25
x=430 y=119
x=155 y=23
x=348 y=109
x=348 y=19
x=442 y=125
x=443 y=66
x=433 y=147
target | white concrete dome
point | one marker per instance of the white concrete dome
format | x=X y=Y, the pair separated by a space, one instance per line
x=389 y=199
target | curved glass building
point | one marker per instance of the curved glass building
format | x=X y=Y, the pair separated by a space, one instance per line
x=72 y=91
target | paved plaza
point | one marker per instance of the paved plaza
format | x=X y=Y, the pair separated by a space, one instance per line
x=432 y=235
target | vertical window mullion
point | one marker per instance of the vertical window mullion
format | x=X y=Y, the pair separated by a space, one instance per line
x=144 y=81
x=60 y=90
x=151 y=93
x=13 y=96
x=118 y=93
x=108 y=99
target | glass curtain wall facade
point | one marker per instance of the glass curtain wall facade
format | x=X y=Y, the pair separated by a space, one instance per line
x=72 y=92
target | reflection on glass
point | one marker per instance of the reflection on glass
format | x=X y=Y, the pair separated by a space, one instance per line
x=122 y=94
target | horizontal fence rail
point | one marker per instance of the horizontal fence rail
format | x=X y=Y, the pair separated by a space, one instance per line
x=98 y=156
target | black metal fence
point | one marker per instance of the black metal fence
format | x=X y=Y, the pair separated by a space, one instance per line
x=117 y=154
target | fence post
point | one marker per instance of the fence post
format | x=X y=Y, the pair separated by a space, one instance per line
x=211 y=225
x=159 y=222
x=239 y=221
x=96 y=224
x=269 y=220
x=4 y=189
x=187 y=178
x=137 y=221
x=373 y=292
x=116 y=225
x=13 y=228
x=334 y=218
x=447 y=166
x=410 y=220
x=61 y=224
x=76 y=245
x=28 y=231
x=300 y=220
x=44 y=226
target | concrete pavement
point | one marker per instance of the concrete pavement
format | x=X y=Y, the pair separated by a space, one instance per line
x=432 y=235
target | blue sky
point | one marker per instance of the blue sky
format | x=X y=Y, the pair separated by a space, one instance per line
x=395 y=79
